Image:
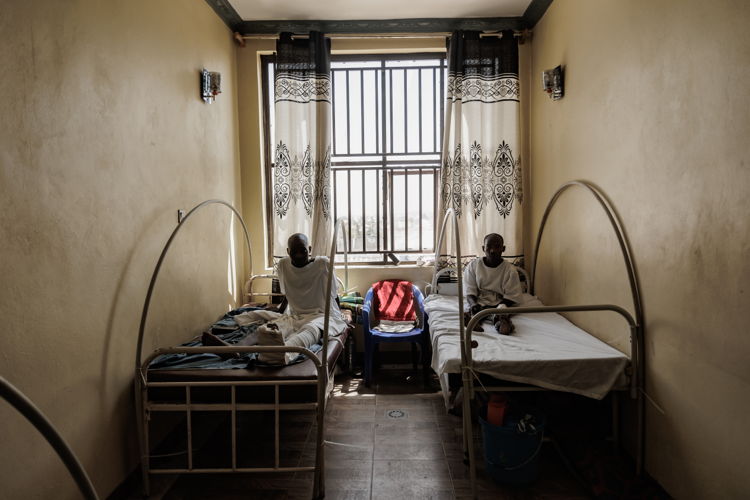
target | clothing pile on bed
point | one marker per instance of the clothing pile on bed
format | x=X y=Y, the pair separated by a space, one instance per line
x=249 y=326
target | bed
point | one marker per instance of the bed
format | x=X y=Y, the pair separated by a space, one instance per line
x=214 y=386
x=546 y=351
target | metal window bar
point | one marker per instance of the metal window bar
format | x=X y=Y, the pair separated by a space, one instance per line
x=420 y=179
x=364 y=210
x=390 y=107
x=349 y=206
x=333 y=120
x=379 y=177
x=406 y=209
x=384 y=209
x=362 y=109
x=348 y=118
x=406 y=111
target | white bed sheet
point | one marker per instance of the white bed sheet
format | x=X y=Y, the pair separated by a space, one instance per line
x=545 y=350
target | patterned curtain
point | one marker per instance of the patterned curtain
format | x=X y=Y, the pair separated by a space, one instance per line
x=302 y=142
x=481 y=176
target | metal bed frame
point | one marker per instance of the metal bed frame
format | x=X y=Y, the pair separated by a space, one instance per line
x=144 y=407
x=637 y=361
x=249 y=293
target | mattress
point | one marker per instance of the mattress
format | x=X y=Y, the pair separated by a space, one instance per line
x=545 y=350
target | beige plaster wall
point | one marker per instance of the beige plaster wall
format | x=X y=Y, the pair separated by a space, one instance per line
x=102 y=138
x=656 y=114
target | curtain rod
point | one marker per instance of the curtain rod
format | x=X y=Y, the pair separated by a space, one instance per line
x=362 y=36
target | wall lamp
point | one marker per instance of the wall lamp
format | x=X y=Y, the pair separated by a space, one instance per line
x=210 y=85
x=552 y=83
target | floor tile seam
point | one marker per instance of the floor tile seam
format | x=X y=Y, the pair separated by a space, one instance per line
x=372 y=457
x=450 y=471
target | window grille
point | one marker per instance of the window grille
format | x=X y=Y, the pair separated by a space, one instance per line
x=386 y=141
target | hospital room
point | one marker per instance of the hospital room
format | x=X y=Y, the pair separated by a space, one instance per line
x=390 y=250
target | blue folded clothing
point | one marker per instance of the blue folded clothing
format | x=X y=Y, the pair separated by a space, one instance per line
x=209 y=361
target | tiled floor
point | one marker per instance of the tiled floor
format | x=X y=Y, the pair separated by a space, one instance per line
x=394 y=441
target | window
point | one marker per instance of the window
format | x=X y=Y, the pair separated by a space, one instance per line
x=387 y=137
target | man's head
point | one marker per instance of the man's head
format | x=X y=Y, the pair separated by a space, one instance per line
x=493 y=248
x=299 y=249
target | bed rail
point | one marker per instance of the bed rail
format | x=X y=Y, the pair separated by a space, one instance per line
x=634 y=340
x=249 y=294
x=34 y=415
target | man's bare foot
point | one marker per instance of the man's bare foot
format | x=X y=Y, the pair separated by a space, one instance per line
x=209 y=339
x=503 y=325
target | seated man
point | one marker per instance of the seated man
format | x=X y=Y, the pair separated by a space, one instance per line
x=304 y=281
x=492 y=282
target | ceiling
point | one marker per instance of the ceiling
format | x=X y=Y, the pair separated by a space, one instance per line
x=264 y=10
x=248 y=17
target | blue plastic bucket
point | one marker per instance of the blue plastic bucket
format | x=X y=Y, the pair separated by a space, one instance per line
x=511 y=450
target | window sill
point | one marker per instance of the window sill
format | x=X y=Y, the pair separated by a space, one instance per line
x=372 y=267
x=339 y=266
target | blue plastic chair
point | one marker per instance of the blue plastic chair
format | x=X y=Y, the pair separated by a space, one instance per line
x=418 y=335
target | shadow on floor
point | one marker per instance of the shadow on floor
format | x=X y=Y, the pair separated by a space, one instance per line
x=395 y=440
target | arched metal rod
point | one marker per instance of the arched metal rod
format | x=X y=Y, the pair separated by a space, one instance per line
x=638 y=351
x=155 y=274
x=34 y=415
x=619 y=232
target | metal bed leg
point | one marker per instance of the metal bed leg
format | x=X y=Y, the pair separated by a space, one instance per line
x=234 y=427
x=319 y=481
x=469 y=435
x=142 y=424
x=615 y=421
x=188 y=410
x=276 y=425
x=640 y=447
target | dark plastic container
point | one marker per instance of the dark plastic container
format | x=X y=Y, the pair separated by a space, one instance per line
x=511 y=451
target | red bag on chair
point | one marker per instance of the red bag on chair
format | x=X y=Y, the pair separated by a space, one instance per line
x=394 y=300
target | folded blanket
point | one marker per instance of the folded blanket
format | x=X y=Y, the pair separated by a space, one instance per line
x=388 y=326
x=250 y=317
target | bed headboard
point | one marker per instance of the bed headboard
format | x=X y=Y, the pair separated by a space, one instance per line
x=617 y=226
x=152 y=283
x=446 y=281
